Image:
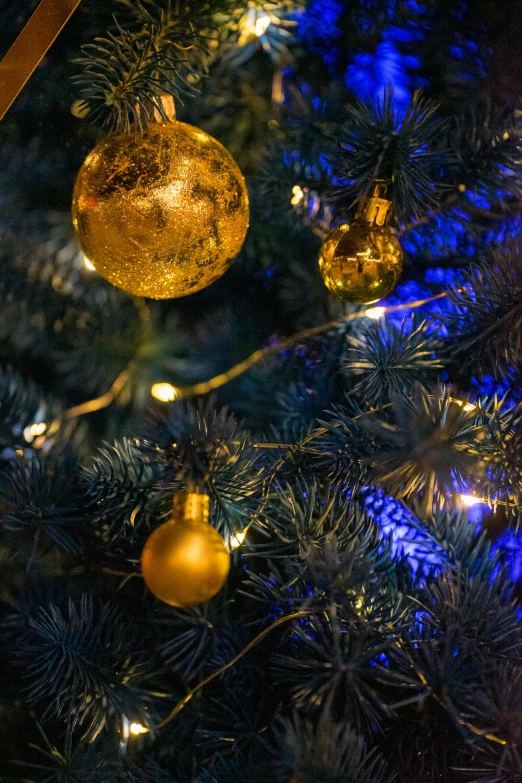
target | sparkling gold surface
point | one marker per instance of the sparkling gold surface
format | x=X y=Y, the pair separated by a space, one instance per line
x=185 y=562
x=361 y=262
x=162 y=215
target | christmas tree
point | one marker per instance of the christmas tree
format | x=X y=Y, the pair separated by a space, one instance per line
x=259 y=521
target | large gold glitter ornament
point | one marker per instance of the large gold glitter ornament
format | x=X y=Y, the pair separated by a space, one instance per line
x=185 y=561
x=160 y=215
x=362 y=261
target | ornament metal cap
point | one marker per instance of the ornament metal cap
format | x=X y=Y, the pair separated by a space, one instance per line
x=375 y=209
x=191 y=508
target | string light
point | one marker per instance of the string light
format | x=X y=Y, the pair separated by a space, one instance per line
x=237 y=540
x=137 y=728
x=32 y=431
x=375 y=313
x=297 y=197
x=470 y=500
x=159 y=390
x=164 y=392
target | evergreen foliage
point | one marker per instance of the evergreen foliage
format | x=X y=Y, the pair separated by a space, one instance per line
x=369 y=630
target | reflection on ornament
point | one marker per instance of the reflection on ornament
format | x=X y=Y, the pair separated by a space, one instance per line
x=88 y=264
x=185 y=561
x=160 y=215
x=362 y=261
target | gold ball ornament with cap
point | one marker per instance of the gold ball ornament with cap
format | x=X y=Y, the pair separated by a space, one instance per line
x=185 y=562
x=362 y=261
x=162 y=214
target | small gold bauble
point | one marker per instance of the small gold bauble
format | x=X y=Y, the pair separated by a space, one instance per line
x=160 y=215
x=185 y=561
x=362 y=262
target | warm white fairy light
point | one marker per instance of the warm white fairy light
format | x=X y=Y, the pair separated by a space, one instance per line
x=375 y=313
x=297 y=197
x=237 y=540
x=470 y=500
x=32 y=431
x=137 y=728
x=164 y=392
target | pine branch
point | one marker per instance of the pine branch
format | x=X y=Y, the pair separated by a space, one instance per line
x=479 y=612
x=161 y=51
x=124 y=499
x=489 y=311
x=26 y=417
x=326 y=752
x=262 y=25
x=339 y=666
x=86 y=763
x=379 y=142
x=436 y=446
x=150 y=772
x=189 y=637
x=489 y=144
x=205 y=447
x=84 y=663
x=44 y=502
x=389 y=360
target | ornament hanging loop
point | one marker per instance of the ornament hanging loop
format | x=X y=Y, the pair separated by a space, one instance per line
x=191 y=507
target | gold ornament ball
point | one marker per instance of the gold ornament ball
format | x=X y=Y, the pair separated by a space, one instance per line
x=160 y=215
x=185 y=561
x=361 y=262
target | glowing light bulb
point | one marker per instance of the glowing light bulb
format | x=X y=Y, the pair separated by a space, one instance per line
x=88 y=264
x=237 y=540
x=262 y=24
x=164 y=392
x=359 y=602
x=470 y=500
x=137 y=728
x=375 y=313
x=298 y=195
x=37 y=429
